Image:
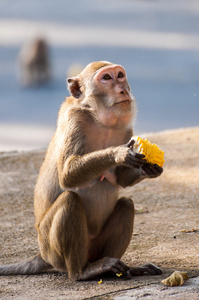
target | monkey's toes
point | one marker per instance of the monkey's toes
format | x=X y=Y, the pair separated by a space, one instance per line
x=152 y=269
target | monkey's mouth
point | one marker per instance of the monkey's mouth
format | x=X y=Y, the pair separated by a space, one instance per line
x=124 y=102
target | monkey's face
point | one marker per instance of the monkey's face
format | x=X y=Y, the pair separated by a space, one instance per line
x=103 y=86
x=111 y=83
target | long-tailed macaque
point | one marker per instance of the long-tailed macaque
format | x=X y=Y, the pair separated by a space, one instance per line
x=34 y=63
x=83 y=228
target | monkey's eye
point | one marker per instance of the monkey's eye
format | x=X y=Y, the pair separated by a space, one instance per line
x=120 y=75
x=106 y=77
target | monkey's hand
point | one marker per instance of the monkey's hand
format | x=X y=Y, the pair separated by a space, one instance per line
x=149 y=170
x=125 y=156
x=152 y=171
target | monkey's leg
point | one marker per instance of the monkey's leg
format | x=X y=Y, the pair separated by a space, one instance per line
x=117 y=232
x=112 y=242
x=107 y=249
x=117 y=235
x=120 y=228
x=63 y=235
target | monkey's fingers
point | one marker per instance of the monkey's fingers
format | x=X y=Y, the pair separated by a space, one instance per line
x=158 y=168
x=151 y=170
x=133 y=164
x=148 y=268
x=114 y=264
x=130 y=143
x=152 y=269
x=121 y=268
x=117 y=264
x=148 y=169
x=136 y=160
x=142 y=156
x=136 y=271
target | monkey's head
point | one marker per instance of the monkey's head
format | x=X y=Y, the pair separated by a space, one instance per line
x=103 y=86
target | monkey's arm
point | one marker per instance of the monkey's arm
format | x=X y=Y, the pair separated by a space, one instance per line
x=128 y=176
x=79 y=169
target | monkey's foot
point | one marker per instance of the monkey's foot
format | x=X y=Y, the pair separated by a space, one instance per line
x=150 y=269
x=115 y=265
x=104 y=265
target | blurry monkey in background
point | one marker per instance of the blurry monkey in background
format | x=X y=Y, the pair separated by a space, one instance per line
x=34 y=63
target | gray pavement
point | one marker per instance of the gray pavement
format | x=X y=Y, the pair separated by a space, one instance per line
x=190 y=290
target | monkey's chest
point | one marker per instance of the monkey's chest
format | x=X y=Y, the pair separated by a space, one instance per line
x=100 y=137
x=99 y=202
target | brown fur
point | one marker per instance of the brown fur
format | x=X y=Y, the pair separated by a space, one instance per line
x=83 y=228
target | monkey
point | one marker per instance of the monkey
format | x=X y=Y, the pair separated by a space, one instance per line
x=34 y=63
x=83 y=226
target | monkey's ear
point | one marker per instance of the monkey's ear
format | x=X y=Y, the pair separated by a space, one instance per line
x=74 y=87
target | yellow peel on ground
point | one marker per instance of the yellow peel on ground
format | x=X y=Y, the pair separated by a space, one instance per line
x=177 y=278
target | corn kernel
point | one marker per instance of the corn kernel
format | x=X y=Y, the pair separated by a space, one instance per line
x=152 y=152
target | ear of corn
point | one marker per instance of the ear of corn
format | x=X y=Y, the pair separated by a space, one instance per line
x=152 y=152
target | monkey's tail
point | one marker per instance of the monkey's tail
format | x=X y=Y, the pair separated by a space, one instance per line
x=34 y=265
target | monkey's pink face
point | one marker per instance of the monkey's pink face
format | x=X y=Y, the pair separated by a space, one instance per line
x=113 y=81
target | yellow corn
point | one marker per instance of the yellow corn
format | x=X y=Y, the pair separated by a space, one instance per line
x=152 y=152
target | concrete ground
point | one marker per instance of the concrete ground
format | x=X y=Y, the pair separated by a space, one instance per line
x=166 y=230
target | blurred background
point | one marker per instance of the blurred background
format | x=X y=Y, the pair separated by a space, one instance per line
x=156 y=41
